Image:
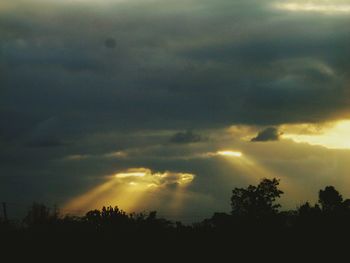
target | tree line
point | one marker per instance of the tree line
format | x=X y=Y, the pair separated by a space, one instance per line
x=256 y=220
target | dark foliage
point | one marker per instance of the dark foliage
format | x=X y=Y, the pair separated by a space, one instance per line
x=255 y=229
x=256 y=201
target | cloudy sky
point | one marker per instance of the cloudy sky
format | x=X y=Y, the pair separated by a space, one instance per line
x=170 y=104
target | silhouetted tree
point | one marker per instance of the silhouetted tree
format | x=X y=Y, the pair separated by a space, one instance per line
x=330 y=199
x=39 y=214
x=93 y=217
x=308 y=215
x=256 y=201
x=307 y=210
x=346 y=204
x=255 y=223
x=219 y=220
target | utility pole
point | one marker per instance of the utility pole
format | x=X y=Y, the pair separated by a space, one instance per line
x=4 y=209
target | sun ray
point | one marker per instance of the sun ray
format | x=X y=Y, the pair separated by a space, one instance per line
x=133 y=189
x=255 y=171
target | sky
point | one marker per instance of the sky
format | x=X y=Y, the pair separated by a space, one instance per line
x=168 y=105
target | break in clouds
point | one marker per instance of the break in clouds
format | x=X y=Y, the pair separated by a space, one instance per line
x=161 y=82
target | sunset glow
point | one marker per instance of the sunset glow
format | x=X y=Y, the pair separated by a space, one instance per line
x=333 y=136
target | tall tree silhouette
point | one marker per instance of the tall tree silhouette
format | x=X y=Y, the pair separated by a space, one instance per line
x=330 y=199
x=256 y=201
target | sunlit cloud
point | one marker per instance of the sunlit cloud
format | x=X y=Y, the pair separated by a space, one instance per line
x=117 y=154
x=333 y=136
x=79 y=157
x=126 y=188
x=226 y=153
x=145 y=175
x=229 y=153
x=326 y=7
x=130 y=175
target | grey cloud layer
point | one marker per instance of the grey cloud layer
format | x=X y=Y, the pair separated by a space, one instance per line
x=199 y=64
x=67 y=89
x=186 y=137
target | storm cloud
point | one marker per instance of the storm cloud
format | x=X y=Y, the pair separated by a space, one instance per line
x=92 y=79
x=186 y=137
x=246 y=62
x=268 y=134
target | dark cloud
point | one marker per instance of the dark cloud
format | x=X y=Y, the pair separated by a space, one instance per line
x=110 y=43
x=45 y=143
x=186 y=137
x=122 y=76
x=174 y=69
x=15 y=124
x=268 y=134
